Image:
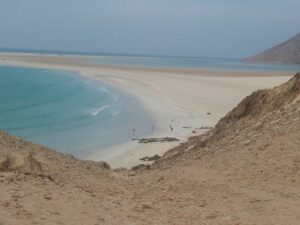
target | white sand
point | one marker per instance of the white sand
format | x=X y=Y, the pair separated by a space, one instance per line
x=173 y=96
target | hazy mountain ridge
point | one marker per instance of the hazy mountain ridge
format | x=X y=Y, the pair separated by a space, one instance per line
x=287 y=52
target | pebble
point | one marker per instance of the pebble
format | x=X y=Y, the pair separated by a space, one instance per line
x=47 y=196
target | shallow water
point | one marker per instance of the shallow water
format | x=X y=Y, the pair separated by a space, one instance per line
x=67 y=112
x=190 y=63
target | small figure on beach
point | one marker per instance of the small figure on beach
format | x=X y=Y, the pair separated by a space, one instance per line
x=133 y=131
x=171 y=128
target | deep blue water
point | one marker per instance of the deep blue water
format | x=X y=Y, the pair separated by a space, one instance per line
x=67 y=112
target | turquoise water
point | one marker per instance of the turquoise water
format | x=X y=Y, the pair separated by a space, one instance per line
x=67 y=112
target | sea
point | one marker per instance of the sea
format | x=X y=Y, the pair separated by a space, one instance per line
x=72 y=114
x=67 y=112
x=194 y=63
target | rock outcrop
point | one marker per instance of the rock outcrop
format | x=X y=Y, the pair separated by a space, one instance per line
x=261 y=103
x=20 y=163
x=254 y=112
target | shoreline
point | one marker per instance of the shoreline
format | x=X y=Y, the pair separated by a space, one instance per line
x=179 y=96
x=164 y=113
x=128 y=154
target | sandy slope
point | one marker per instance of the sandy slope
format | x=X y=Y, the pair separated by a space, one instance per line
x=245 y=171
x=178 y=97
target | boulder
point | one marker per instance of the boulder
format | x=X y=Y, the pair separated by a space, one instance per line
x=153 y=158
x=24 y=163
x=141 y=167
x=104 y=165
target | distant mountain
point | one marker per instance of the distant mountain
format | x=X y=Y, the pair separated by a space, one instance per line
x=286 y=52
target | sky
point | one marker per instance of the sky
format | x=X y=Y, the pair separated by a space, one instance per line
x=204 y=28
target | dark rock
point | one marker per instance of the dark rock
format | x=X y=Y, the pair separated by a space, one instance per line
x=146 y=206
x=204 y=128
x=151 y=140
x=104 y=165
x=141 y=167
x=145 y=158
x=47 y=196
x=153 y=158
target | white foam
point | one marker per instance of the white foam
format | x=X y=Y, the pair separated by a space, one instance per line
x=116 y=98
x=116 y=113
x=103 y=89
x=95 y=113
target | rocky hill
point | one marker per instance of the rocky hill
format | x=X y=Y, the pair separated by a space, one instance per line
x=244 y=171
x=287 y=52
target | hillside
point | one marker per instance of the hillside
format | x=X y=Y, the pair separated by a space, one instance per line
x=287 y=52
x=244 y=171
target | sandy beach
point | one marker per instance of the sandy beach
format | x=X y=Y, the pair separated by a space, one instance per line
x=185 y=99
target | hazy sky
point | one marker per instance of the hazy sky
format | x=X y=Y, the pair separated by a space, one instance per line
x=212 y=28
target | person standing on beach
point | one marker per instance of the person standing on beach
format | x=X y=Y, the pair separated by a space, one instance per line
x=171 y=128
